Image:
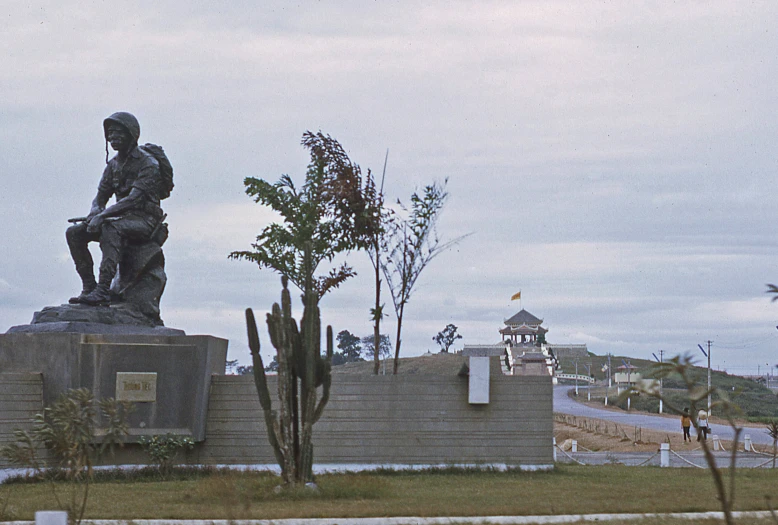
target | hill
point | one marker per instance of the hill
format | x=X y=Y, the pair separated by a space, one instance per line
x=757 y=402
x=434 y=364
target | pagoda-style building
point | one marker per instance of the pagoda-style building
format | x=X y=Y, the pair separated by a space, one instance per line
x=524 y=348
x=523 y=329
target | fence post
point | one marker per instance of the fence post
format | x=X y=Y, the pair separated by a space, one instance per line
x=554 y=449
x=51 y=517
x=716 y=442
x=747 y=443
x=664 y=455
x=575 y=446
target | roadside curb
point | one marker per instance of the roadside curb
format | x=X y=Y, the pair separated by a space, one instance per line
x=485 y=520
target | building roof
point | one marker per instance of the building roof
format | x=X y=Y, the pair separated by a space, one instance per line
x=523 y=330
x=523 y=317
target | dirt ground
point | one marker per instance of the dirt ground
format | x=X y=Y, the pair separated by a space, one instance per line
x=596 y=440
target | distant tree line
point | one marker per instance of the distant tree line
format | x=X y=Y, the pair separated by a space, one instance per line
x=352 y=349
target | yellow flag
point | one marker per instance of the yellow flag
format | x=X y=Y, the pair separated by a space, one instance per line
x=515 y=296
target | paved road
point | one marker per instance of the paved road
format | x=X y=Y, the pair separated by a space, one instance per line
x=566 y=405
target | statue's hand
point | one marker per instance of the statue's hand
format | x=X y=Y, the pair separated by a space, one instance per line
x=95 y=223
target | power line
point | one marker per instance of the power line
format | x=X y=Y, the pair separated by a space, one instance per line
x=740 y=344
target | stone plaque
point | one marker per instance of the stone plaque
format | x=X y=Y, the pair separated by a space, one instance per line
x=138 y=387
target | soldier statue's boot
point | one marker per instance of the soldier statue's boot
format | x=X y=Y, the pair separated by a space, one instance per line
x=100 y=296
x=88 y=284
x=79 y=299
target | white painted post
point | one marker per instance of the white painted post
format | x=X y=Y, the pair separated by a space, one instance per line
x=51 y=517
x=576 y=378
x=716 y=442
x=664 y=455
x=478 y=387
x=575 y=446
x=554 y=449
x=607 y=388
x=747 y=444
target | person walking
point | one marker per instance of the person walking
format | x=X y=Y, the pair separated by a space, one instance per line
x=702 y=423
x=686 y=423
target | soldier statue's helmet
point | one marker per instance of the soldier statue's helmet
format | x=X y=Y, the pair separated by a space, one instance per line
x=125 y=120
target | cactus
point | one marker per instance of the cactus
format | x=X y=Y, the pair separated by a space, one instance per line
x=301 y=370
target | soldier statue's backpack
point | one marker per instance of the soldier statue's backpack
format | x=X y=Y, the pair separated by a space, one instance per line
x=165 y=168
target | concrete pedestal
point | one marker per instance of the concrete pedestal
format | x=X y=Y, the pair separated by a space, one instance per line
x=168 y=377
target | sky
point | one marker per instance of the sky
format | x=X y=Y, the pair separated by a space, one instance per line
x=612 y=161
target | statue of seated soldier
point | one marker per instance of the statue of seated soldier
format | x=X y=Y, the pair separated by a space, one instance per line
x=131 y=231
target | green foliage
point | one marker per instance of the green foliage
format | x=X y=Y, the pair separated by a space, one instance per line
x=350 y=348
x=245 y=370
x=766 y=420
x=446 y=337
x=121 y=474
x=273 y=366
x=384 y=349
x=68 y=431
x=230 y=365
x=162 y=450
x=410 y=244
x=757 y=403
x=331 y=213
x=238 y=495
x=7 y=511
x=772 y=431
x=754 y=400
x=377 y=313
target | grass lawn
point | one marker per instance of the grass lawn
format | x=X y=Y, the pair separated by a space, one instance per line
x=566 y=490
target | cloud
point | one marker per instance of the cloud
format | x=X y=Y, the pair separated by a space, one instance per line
x=613 y=163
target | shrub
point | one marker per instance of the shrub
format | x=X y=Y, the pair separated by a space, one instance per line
x=163 y=450
x=67 y=430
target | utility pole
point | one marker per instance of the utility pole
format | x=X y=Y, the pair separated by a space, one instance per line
x=576 y=378
x=606 y=369
x=629 y=384
x=660 y=359
x=708 y=356
x=607 y=389
x=628 y=367
x=709 y=343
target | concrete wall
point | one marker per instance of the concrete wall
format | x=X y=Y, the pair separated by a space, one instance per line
x=379 y=420
x=568 y=350
x=183 y=366
x=397 y=420
x=21 y=397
